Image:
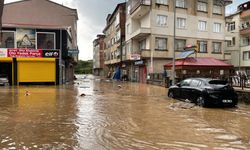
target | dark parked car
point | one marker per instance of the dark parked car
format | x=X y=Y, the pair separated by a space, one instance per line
x=205 y=92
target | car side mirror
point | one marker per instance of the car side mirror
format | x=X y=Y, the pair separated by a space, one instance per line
x=178 y=84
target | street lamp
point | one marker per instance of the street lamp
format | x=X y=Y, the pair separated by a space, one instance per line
x=173 y=68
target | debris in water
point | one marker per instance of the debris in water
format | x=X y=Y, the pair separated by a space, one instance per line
x=119 y=86
x=83 y=94
x=27 y=93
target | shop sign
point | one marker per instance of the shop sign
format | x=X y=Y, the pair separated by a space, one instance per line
x=51 y=53
x=141 y=62
x=3 y=53
x=25 y=53
x=135 y=57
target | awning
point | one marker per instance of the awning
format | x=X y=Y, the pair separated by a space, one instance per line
x=199 y=62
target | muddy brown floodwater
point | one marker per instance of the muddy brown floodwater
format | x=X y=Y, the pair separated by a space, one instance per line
x=115 y=116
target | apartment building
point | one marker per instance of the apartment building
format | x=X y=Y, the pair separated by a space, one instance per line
x=114 y=37
x=238 y=37
x=98 y=55
x=150 y=32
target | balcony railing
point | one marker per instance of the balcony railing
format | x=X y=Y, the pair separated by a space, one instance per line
x=139 y=3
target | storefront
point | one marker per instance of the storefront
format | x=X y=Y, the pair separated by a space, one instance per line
x=30 y=66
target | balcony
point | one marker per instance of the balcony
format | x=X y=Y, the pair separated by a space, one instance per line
x=245 y=14
x=245 y=29
x=141 y=33
x=140 y=8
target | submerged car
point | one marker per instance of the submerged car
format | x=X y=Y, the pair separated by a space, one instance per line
x=205 y=92
x=4 y=80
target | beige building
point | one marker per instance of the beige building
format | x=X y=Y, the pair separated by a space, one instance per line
x=114 y=37
x=238 y=37
x=150 y=32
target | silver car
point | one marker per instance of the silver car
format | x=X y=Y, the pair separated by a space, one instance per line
x=4 y=80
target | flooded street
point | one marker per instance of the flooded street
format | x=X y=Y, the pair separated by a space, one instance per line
x=113 y=116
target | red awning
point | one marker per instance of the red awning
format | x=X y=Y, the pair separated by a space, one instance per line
x=199 y=62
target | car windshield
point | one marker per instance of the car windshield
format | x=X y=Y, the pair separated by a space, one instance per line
x=218 y=82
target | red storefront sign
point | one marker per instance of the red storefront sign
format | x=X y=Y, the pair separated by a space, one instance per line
x=25 y=53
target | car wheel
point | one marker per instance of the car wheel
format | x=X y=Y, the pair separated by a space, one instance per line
x=6 y=84
x=201 y=101
x=171 y=94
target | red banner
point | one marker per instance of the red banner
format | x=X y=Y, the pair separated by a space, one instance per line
x=25 y=53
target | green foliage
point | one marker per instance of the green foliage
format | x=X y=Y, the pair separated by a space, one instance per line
x=84 y=67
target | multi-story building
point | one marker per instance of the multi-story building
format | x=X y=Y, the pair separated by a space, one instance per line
x=115 y=37
x=38 y=42
x=150 y=32
x=98 y=55
x=238 y=37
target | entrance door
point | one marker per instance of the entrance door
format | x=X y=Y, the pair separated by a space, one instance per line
x=142 y=74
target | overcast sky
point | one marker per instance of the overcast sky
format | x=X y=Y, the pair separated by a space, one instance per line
x=92 y=15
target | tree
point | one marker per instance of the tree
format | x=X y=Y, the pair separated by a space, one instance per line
x=1 y=13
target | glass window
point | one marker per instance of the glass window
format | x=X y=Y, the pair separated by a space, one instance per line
x=180 y=44
x=161 y=43
x=128 y=29
x=202 y=46
x=181 y=23
x=142 y=45
x=161 y=20
x=217 y=9
x=246 y=41
x=181 y=3
x=217 y=27
x=7 y=40
x=217 y=47
x=46 y=40
x=117 y=19
x=164 y=2
x=231 y=26
x=195 y=83
x=202 y=25
x=246 y=55
x=202 y=6
x=186 y=82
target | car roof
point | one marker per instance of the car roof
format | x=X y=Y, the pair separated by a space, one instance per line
x=203 y=79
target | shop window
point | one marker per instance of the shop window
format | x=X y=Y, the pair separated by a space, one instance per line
x=46 y=40
x=7 y=40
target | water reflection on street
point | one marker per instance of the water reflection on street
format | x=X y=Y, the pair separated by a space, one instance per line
x=114 y=115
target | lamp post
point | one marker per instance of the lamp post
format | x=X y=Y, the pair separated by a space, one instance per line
x=173 y=68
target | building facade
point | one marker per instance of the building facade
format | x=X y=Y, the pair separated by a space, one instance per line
x=38 y=43
x=150 y=26
x=114 y=38
x=238 y=37
x=98 y=56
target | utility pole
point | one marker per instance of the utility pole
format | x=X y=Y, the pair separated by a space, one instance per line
x=173 y=68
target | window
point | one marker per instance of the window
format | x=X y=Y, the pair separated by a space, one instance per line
x=195 y=83
x=246 y=41
x=163 y=2
x=180 y=44
x=128 y=9
x=202 y=6
x=216 y=47
x=161 y=43
x=117 y=19
x=181 y=3
x=181 y=23
x=202 y=25
x=231 y=42
x=128 y=29
x=202 y=46
x=45 y=40
x=217 y=9
x=217 y=27
x=246 y=55
x=161 y=20
x=7 y=39
x=142 y=45
x=186 y=82
x=118 y=36
x=231 y=26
